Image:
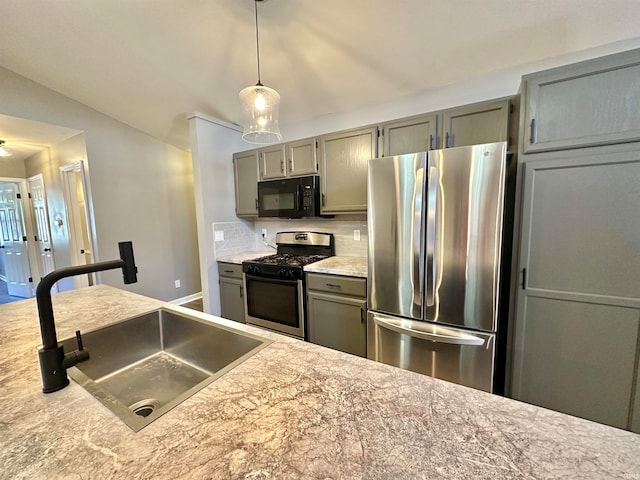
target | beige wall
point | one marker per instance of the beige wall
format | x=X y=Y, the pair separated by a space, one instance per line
x=11 y=168
x=142 y=189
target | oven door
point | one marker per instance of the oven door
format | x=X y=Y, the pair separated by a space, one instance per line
x=280 y=198
x=275 y=303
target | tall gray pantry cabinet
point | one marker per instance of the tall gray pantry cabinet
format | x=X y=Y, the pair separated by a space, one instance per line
x=576 y=342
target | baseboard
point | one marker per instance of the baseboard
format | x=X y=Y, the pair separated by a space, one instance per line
x=187 y=299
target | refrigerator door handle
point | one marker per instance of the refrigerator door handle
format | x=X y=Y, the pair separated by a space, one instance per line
x=432 y=212
x=418 y=226
x=438 y=334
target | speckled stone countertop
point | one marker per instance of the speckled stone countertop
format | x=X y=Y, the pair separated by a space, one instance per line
x=292 y=411
x=238 y=258
x=339 y=265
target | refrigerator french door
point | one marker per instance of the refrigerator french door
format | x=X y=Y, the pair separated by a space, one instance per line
x=435 y=244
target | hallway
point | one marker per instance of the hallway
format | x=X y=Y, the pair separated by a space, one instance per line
x=4 y=295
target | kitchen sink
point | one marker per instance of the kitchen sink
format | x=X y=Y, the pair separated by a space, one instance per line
x=142 y=367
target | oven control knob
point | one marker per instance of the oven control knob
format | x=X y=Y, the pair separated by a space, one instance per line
x=254 y=269
x=282 y=272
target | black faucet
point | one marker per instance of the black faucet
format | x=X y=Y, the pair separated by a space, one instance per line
x=53 y=361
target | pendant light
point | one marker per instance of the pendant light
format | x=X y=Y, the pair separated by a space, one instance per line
x=3 y=151
x=260 y=106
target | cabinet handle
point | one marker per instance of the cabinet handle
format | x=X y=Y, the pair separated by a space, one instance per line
x=256 y=204
x=290 y=165
x=228 y=271
x=533 y=132
x=323 y=200
x=241 y=291
x=446 y=140
x=524 y=278
x=333 y=285
x=430 y=146
x=361 y=314
x=282 y=166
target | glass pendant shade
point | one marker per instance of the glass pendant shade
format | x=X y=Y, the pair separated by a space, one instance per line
x=260 y=108
x=3 y=151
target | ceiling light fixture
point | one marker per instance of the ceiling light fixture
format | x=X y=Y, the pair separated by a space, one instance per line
x=260 y=107
x=3 y=151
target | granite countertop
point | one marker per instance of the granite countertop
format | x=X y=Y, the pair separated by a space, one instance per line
x=238 y=258
x=339 y=265
x=294 y=410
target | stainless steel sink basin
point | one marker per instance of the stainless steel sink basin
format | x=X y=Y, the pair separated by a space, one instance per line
x=142 y=367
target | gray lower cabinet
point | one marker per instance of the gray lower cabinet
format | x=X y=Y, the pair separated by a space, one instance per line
x=245 y=176
x=577 y=323
x=343 y=159
x=336 y=312
x=584 y=104
x=231 y=291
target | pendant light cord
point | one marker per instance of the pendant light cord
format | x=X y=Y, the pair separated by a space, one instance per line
x=255 y=3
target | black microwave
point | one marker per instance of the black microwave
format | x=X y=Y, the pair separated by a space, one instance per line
x=289 y=197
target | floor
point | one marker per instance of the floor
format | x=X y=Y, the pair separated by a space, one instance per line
x=4 y=294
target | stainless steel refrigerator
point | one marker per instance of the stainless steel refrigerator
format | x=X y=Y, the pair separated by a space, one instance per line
x=435 y=223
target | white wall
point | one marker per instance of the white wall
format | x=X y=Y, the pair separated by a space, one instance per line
x=142 y=189
x=213 y=143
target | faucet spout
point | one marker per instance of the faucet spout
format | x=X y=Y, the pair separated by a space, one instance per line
x=53 y=361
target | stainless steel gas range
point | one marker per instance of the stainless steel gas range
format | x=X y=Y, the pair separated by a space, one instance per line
x=275 y=284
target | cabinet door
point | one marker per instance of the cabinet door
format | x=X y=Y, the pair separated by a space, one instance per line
x=301 y=157
x=576 y=358
x=338 y=322
x=245 y=169
x=343 y=170
x=232 y=299
x=272 y=163
x=418 y=134
x=578 y=306
x=475 y=124
x=588 y=103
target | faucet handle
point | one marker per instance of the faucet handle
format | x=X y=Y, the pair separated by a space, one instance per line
x=79 y=340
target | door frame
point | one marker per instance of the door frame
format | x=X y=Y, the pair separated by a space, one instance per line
x=29 y=227
x=70 y=201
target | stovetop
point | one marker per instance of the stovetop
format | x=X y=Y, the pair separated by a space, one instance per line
x=288 y=259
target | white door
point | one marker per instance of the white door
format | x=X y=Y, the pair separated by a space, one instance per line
x=43 y=233
x=13 y=247
x=77 y=221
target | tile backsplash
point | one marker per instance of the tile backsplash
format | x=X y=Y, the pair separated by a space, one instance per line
x=237 y=237
x=343 y=232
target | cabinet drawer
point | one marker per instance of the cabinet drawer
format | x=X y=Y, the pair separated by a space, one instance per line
x=229 y=270
x=337 y=284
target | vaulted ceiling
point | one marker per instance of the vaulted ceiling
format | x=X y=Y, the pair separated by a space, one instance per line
x=149 y=62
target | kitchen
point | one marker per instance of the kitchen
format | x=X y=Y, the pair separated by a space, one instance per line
x=218 y=210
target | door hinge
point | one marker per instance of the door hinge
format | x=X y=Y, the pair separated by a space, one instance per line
x=29 y=194
x=30 y=279
x=35 y=237
x=524 y=278
x=510 y=107
x=24 y=238
x=18 y=195
x=316 y=143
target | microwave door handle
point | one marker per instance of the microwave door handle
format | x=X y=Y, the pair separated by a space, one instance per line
x=438 y=335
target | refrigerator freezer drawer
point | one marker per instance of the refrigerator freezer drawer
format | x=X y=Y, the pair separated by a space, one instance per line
x=459 y=356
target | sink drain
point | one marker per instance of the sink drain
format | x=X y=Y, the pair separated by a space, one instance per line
x=144 y=408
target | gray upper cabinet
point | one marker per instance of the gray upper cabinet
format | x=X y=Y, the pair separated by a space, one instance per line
x=301 y=157
x=272 y=162
x=343 y=162
x=584 y=104
x=245 y=175
x=417 y=134
x=485 y=122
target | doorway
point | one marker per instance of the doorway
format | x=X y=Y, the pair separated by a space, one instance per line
x=16 y=282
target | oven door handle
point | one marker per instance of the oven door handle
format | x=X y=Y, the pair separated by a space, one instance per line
x=263 y=278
